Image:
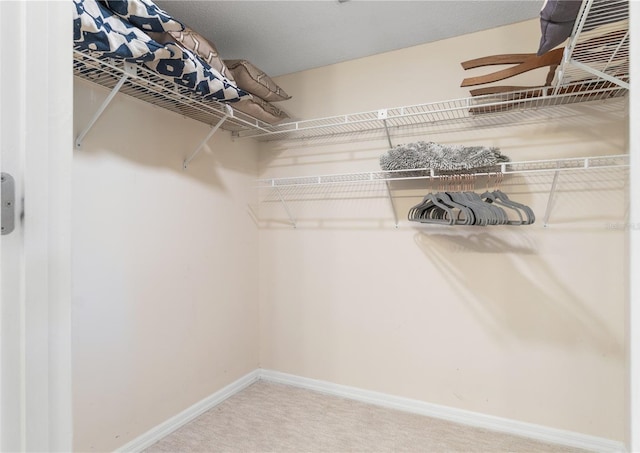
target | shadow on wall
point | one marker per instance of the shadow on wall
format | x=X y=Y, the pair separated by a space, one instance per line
x=506 y=283
x=156 y=138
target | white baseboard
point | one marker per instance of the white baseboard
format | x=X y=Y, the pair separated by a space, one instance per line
x=530 y=430
x=155 y=434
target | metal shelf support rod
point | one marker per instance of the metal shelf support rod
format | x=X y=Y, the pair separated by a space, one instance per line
x=615 y=52
x=228 y=113
x=600 y=74
x=547 y=212
x=130 y=70
x=386 y=129
x=382 y=115
x=393 y=205
x=286 y=208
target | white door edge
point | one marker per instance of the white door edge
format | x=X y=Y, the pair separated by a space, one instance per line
x=37 y=144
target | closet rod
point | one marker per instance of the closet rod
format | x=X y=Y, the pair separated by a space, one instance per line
x=130 y=70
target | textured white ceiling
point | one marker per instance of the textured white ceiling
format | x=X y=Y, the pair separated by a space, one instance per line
x=281 y=37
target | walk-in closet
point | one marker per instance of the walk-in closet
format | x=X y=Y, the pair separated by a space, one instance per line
x=445 y=230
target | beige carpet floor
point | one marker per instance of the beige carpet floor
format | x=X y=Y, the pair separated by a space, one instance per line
x=267 y=417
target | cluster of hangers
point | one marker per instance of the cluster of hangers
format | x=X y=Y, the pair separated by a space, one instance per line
x=460 y=205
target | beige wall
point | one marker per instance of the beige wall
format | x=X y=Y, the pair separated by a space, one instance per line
x=164 y=268
x=519 y=322
x=414 y=75
x=170 y=270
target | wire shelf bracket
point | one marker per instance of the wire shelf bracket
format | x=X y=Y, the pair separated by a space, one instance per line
x=292 y=219
x=382 y=115
x=600 y=74
x=228 y=114
x=129 y=70
x=393 y=204
x=550 y=200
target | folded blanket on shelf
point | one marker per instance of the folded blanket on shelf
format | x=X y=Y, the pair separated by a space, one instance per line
x=444 y=158
x=101 y=31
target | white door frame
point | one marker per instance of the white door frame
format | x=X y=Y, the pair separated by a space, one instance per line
x=633 y=338
x=36 y=85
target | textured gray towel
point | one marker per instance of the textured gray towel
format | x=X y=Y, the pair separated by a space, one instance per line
x=446 y=158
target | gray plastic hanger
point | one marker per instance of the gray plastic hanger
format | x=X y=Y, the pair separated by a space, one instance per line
x=431 y=210
x=505 y=200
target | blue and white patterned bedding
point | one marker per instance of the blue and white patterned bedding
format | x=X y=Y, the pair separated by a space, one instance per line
x=119 y=33
x=144 y=14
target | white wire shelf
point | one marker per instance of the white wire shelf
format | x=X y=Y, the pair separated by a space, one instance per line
x=507 y=168
x=472 y=112
x=602 y=173
x=144 y=84
x=595 y=67
x=598 y=48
